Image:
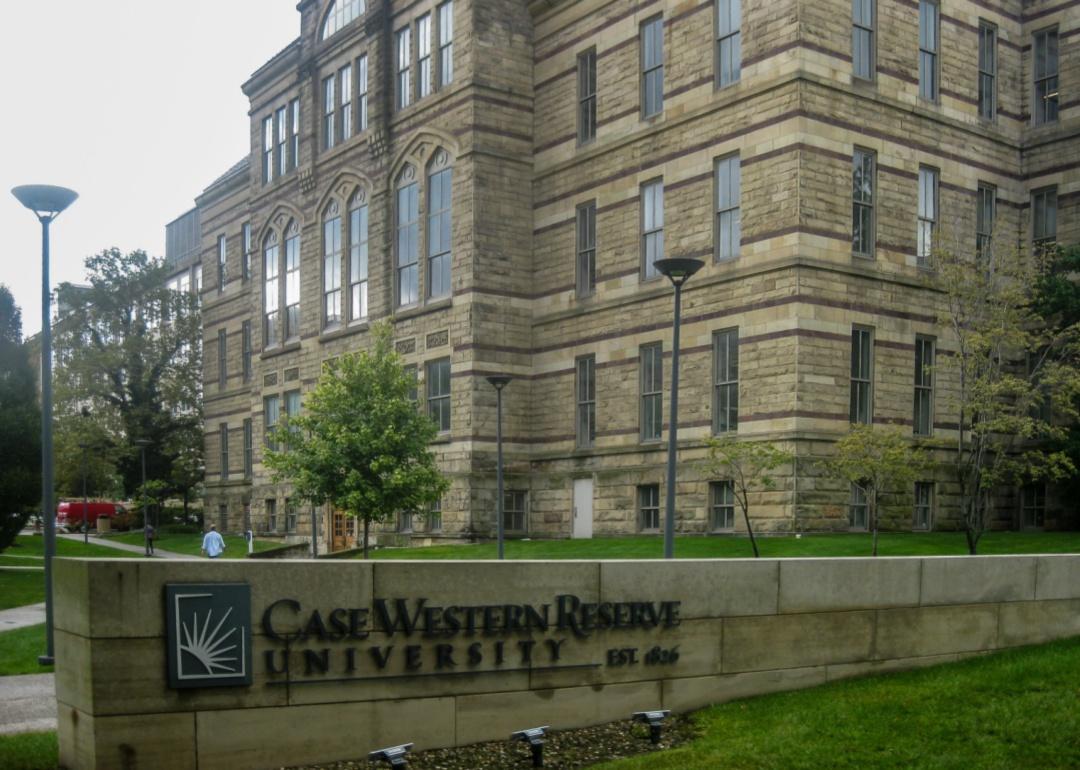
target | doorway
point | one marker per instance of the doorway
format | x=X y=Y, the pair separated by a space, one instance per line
x=583 y=508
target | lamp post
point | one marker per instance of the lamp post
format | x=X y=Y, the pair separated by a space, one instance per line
x=142 y=444
x=499 y=381
x=678 y=271
x=85 y=528
x=47 y=203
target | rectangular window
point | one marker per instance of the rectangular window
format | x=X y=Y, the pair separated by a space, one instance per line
x=928 y=50
x=292 y=287
x=862 y=203
x=271 y=515
x=223 y=447
x=862 y=361
x=332 y=269
x=985 y=214
x=858 y=512
x=585 y=386
x=651 y=415
x=652 y=67
x=987 y=70
x=928 y=214
x=404 y=58
x=725 y=381
x=1033 y=506
x=290 y=515
x=358 y=260
x=728 y=41
x=924 y=386
x=245 y=350
x=439 y=234
x=292 y=409
x=722 y=506
x=329 y=110
x=586 y=249
x=282 y=141
x=423 y=55
x=294 y=135
x=412 y=375
x=222 y=354
x=438 y=393
x=222 y=263
x=249 y=449
x=586 y=94
x=924 y=506
x=245 y=258
x=728 y=233
x=1044 y=217
x=1044 y=108
x=446 y=43
x=268 y=150
x=362 y=87
x=271 y=415
x=434 y=516
x=345 y=110
x=863 y=51
x=652 y=226
x=649 y=507
x=405 y=521
x=515 y=504
x=408 y=237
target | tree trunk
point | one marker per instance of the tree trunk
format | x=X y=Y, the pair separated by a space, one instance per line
x=750 y=531
x=366 y=525
x=874 y=522
x=185 y=505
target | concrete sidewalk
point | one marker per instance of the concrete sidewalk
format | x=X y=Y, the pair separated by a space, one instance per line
x=27 y=704
x=21 y=617
x=127 y=547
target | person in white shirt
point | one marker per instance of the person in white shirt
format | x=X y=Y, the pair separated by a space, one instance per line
x=212 y=543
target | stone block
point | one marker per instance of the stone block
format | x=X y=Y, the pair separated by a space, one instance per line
x=917 y=632
x=796 y=641
x=75 y=734
x=964 y=580
x=1058 y=577
x=74 y=672
x=1038 y=622
x=467 y=583
x=871 y=667
x=160 y=741
x=706 y=588
x=821 y=585
x=687 y=694
x=71 y=596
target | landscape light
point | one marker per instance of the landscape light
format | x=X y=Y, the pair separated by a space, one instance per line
x=534 y=736
x=655 y=721
x=394 y=755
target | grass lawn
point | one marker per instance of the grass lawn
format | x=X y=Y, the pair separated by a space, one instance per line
x=652 y=547
x=20 y=587
x=191 y=544
x=30 y=751
x=19 y=650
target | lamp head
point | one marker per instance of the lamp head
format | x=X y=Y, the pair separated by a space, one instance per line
x=142 y=442
x=45 y=200
x=499 y=381
x=678 y=269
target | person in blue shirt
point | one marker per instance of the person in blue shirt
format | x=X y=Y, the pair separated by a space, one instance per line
x=212 y=543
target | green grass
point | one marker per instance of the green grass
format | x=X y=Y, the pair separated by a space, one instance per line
x=21 y=587
x=191 y=544
x=858 y=544
x=19 y=650
x=29 y=751
x=1016 y=709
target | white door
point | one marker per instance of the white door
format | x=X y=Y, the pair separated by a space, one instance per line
x=583 y=508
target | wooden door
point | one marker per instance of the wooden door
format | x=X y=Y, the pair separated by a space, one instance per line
x=339 y=531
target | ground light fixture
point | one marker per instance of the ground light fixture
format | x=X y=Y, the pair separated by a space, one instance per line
x=655 y=721
x=678 y=270
x=393 y=755
x=534 y=736
x=499 y=381
x=47 y=202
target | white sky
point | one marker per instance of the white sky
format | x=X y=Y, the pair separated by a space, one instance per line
x=135 y=105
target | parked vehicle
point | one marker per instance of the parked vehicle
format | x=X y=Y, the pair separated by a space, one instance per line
x=69 y=514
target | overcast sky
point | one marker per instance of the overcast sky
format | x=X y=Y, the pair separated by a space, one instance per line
x=135 y=105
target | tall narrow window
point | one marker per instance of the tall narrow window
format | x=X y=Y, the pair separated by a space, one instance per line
x=290 y=515
x=245 y=350
x=271 y=300
x=652 y=392
x=1044 y=217
x=652 y=226
x=223 y=446
x=362 y=88
x=434 y=516
x=271 y=515
x=438 y=393
x=268 y=150
x=282 y=141
x=446 y=43
x=586 y=94
x=222 y=359
x=1045 y=68
x=924 y=387
x=408 y=215
x=423 y=56
x=586 y=249
x=924 y=506
x=439 y=230
x=585 y=386
x=404 y=56
x=862 y=357
x=928 y=49
x=515 y=506
x=294 y=136
x=292 y=282
x=332 y=265
x=345 y=110
x=985 y=214
x=271 y=415
x=722 y=506
x=649 y=507
x=652 y=67
x=862 y=204
x=412 y=374
x=928 y=206
x=726 y=381
x=987 y=70
x=245 y=258
x=863 y=45
x=858 y=514
x=358 y=257
x=728 y=217
x=249 y=449
x=222 y=263
x=329 y=110
x=728 y=41
x=1033 y=506
x=292 y=409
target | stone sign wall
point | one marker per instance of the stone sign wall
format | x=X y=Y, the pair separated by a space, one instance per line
x=247 y=664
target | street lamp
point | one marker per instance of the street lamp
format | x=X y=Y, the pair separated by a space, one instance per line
x=678 y=271
x=499 y=381
x=47 y=203
x=142 y=444
x=85 y=528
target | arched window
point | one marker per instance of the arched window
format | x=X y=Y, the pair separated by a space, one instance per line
x=271 y=292
x=358 y=256
x=292 y=282
x=281 y=299
x=438 y=230
x=408 y=237
x=332 y=265
x=341 y=13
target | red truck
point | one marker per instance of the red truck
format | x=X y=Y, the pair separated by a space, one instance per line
x=70 y=514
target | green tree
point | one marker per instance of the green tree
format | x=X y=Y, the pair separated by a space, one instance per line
x=20 y=425
x=879 y=461
x=1011 y=355
x=129 y=352
x=360 y=444
x=749 y=465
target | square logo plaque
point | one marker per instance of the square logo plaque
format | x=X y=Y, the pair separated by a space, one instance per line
x=208 y=634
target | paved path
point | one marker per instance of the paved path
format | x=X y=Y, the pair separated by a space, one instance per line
x=21 y=617
x=27 y=704
x=129 y=548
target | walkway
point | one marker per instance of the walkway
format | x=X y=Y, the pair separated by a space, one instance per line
x=27 y=704
x=21 y=617
x=127 y=547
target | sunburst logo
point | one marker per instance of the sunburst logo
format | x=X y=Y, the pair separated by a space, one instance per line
x=209 y=634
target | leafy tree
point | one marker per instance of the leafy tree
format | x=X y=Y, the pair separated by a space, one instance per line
x=749 y=465
x=879 y=461
x=360 y=444
x=1011 y=355
x=20 y=425
x=129 y=351
x=98 y=461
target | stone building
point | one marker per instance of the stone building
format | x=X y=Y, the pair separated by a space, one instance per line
x=496 y=178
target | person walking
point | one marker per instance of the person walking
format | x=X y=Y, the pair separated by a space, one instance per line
x=150 y=535
x=212 y=543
